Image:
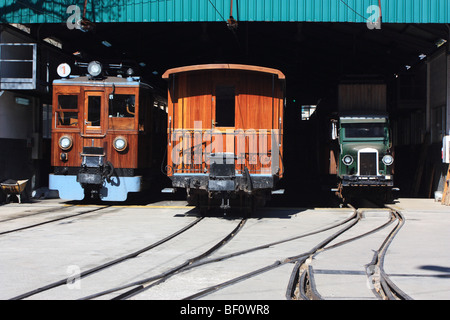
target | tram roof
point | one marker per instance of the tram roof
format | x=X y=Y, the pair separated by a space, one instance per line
x=107 y=81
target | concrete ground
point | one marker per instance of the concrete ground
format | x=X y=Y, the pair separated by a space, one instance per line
x=418 y=260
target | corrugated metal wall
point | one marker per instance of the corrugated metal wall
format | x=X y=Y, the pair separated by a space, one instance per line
x=394 y=11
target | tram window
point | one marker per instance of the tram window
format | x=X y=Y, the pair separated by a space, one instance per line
x=68 y=102
x=67 y=118
x=225 y=106
x=94 y=107
x=67 y=110
x=122 y=106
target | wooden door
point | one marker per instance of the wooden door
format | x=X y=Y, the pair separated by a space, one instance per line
x=224 y=118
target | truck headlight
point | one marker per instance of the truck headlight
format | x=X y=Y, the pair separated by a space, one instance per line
x=388 y=160
x=347 y=160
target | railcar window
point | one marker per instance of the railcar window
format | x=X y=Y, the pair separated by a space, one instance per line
x=67 y=110
x=364 y=130
x=94 y=107
x=225 y=106
x=122 y=106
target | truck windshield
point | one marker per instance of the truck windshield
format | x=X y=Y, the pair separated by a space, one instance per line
x=364 y=130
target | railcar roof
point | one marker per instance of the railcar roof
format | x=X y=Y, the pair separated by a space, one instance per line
x=223 y=66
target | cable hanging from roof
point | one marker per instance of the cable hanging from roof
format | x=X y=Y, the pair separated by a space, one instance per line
x=356 y=12
x=232 y=24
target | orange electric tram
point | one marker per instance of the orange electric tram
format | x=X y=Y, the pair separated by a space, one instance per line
x=108 y=134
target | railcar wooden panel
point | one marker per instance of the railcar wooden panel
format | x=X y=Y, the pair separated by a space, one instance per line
x=73 y=153
x=194 y=128
x=196 y=100
x=128 y=157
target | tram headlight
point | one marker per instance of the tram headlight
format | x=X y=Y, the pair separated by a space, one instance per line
x=94 y=68
x=120 y=143
x=388 y=160
x=347 y=160
x=65 y=142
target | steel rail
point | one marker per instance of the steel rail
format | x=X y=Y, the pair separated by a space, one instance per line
x=306 y=279
x=53 y=220
x=191 y=263
x=384 y=287
x=389 y=289
x=144 y=284
x=43 y=211
x=271 y=244
x=265 y=246
x=246 y=276
x=307 y=286
x=187 y=266
x=300 y=268
x=110 y=263
x=298 y=260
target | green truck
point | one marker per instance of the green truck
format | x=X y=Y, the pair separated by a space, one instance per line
x=364 y=156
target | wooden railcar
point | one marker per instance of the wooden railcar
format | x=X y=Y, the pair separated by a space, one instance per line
x=108 y=136
x=225 y=132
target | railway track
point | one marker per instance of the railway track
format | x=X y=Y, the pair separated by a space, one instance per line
x=134 y=288
x=297 y=259
x=372 y=274
x=304 y=257
x=301 y=283
x=43 y=221
x=243 y=254
x=109 y=264
x=147 y=283
x=28 y=214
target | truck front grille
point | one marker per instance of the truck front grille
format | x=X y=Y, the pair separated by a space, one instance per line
x=368 y=164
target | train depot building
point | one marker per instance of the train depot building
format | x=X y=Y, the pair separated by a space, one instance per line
x=340 y=59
